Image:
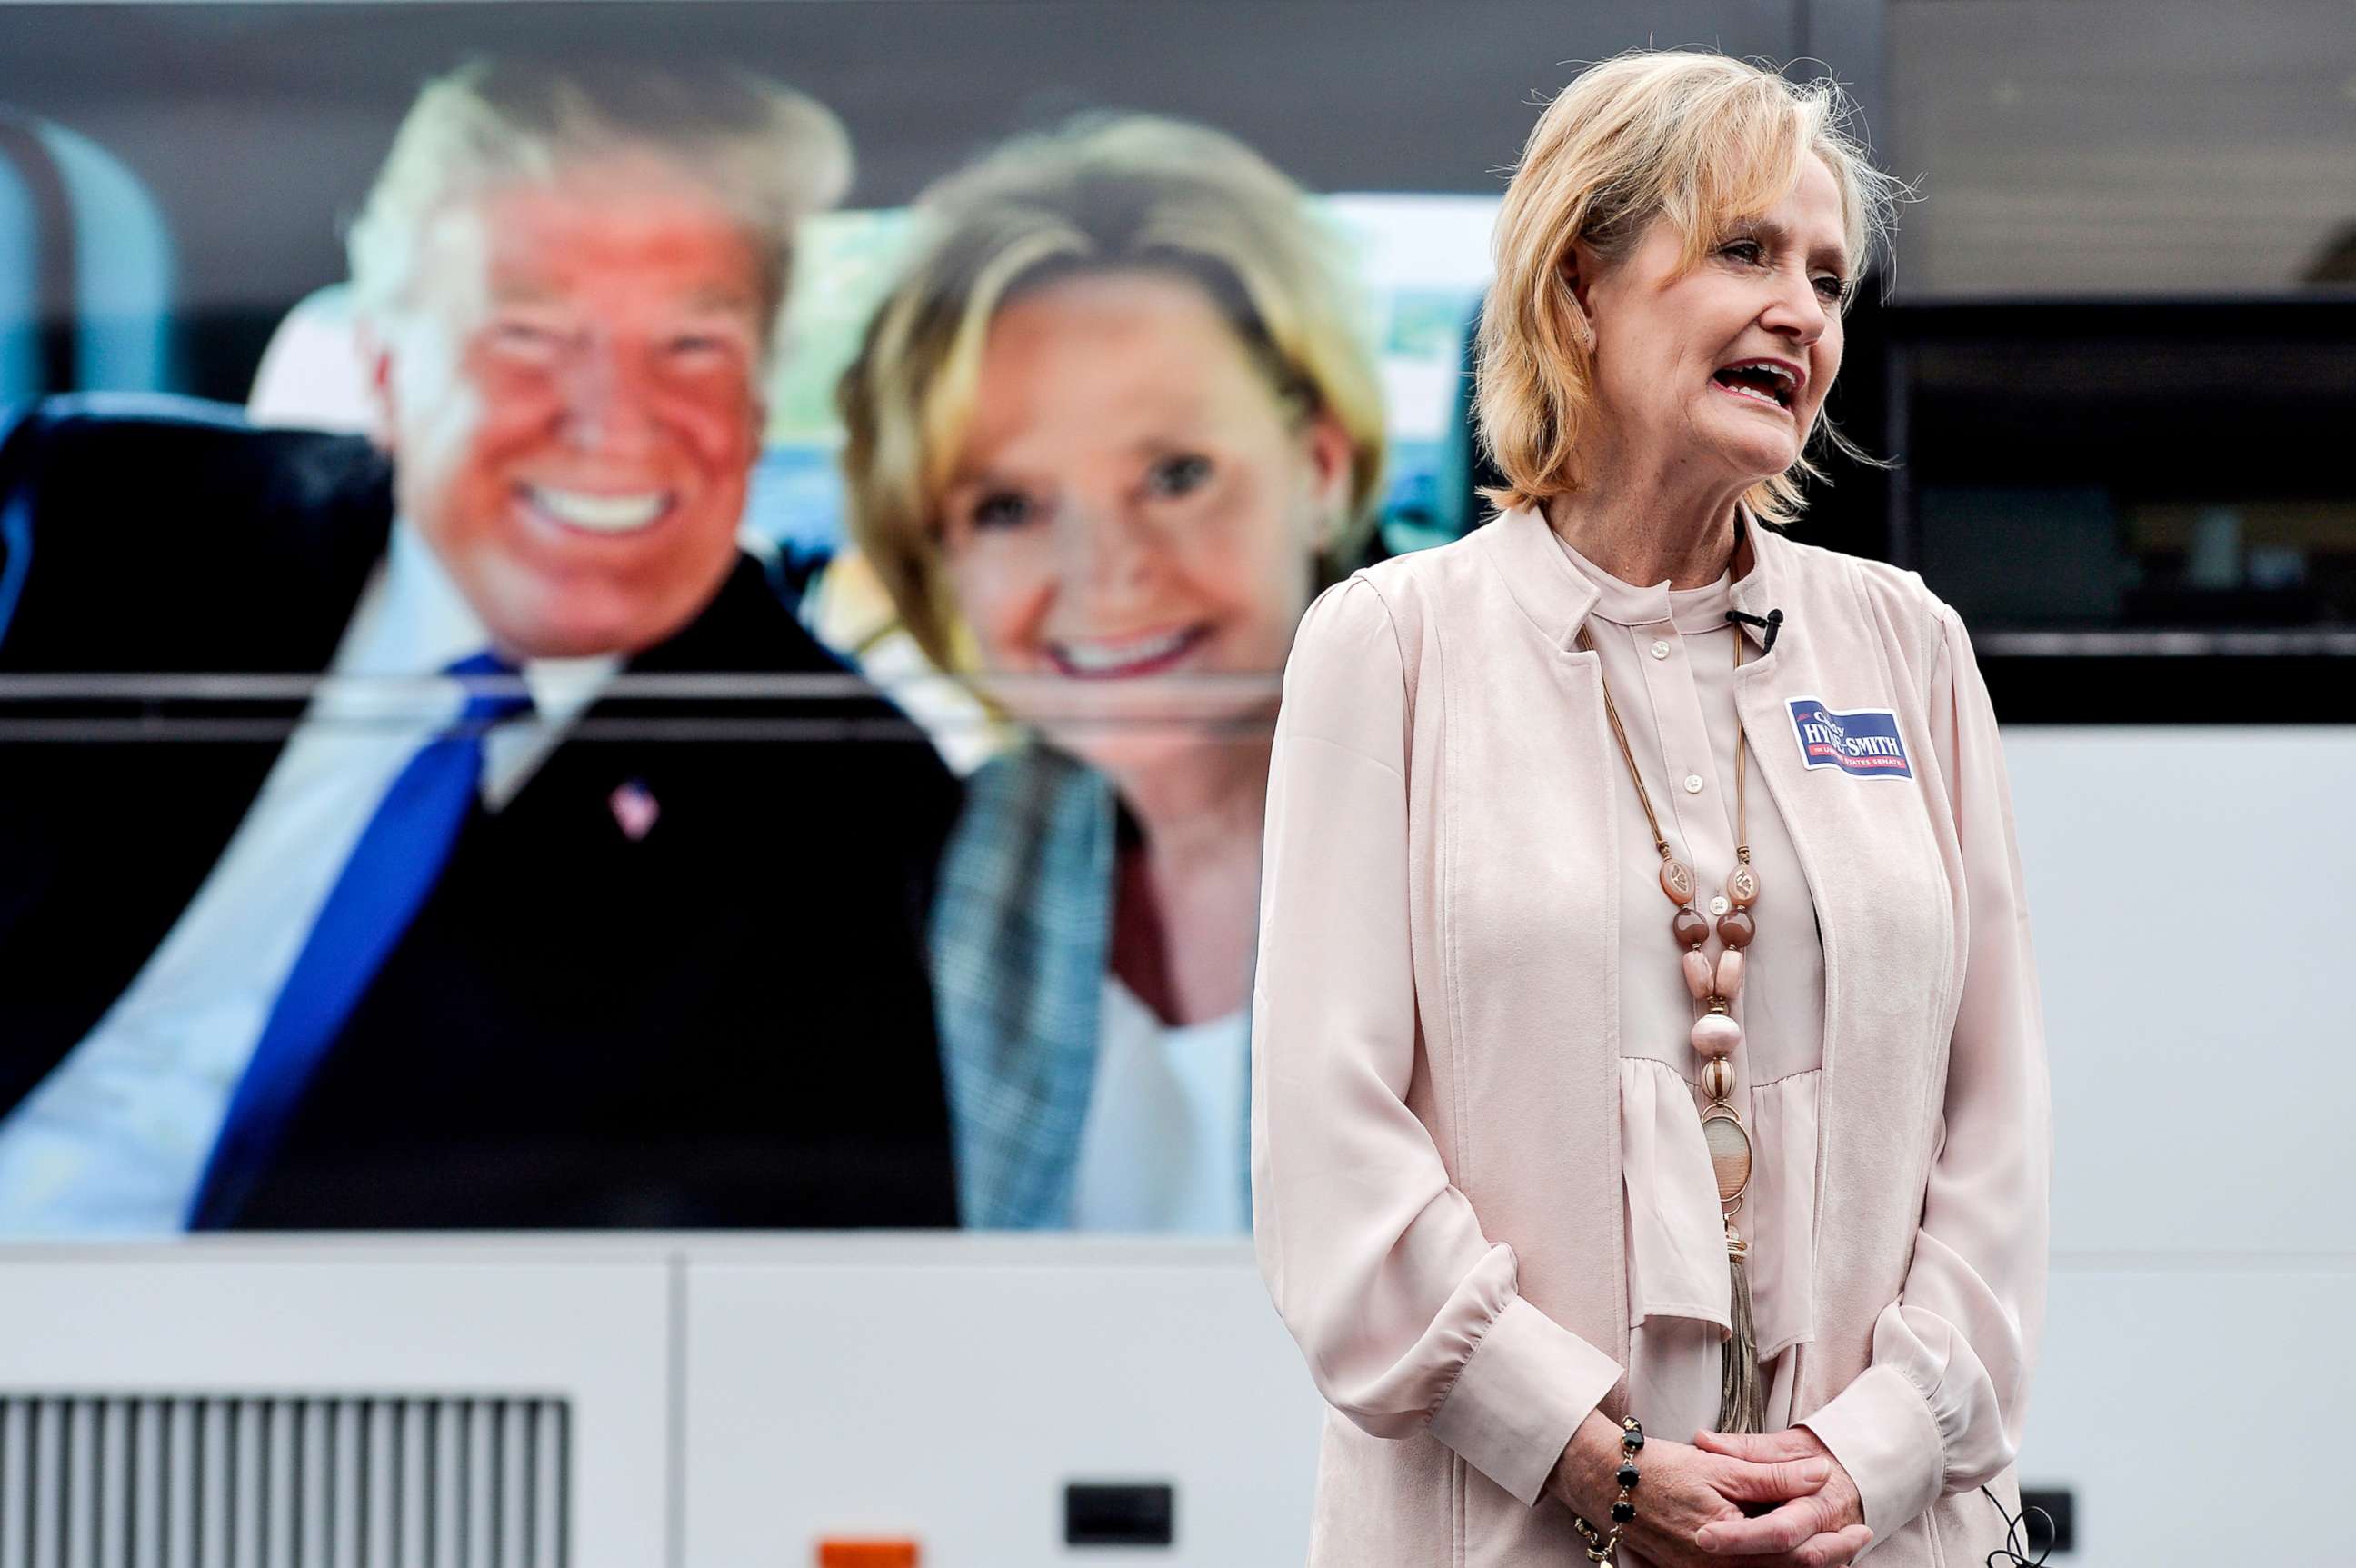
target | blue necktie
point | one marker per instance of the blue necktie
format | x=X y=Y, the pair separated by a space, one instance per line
x=393 y=866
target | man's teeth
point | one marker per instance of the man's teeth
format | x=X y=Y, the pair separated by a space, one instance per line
x=600 y=514
x=1096 y=656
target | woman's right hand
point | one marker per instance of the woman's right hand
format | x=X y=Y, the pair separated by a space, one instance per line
x=1684 y=1489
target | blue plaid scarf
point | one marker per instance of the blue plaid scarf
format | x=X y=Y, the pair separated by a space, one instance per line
x=1021 y=938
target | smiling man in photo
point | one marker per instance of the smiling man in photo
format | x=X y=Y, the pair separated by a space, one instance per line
x=485 y=932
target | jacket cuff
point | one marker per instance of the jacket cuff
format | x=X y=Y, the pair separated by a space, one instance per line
x=1882 y=1431
x=1519 y=1398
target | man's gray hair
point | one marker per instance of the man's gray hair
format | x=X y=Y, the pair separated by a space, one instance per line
x=767 y=153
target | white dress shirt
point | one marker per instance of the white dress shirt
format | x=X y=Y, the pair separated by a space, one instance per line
x=115 y=1140
x=1163 y=1146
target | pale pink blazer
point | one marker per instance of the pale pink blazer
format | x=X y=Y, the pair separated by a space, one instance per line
x=1435 y=1123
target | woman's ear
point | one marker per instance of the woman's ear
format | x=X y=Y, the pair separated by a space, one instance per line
x=1328 y=449
x=1580 y=268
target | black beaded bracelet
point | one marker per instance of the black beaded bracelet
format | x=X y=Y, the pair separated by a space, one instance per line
x=1601 y=1547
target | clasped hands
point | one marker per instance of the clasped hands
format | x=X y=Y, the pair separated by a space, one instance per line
x=1693 y=1506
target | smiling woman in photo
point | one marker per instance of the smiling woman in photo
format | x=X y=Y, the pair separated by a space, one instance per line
x=1108 y=433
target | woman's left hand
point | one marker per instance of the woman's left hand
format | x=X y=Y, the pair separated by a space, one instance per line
x=1831 y=1508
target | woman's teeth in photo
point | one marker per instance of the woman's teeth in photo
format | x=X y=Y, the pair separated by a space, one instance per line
x=1098 y=659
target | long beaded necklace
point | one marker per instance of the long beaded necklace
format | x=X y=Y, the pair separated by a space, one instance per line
x=1742 y=1402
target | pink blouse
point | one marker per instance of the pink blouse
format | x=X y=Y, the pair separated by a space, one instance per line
x=1668 y=660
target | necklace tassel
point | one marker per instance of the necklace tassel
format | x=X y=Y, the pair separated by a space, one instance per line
x=1742 y=1400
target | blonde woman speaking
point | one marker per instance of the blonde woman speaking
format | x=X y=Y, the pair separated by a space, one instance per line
x=1650 y=1138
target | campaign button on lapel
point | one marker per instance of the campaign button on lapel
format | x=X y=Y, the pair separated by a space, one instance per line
x=1862 y=743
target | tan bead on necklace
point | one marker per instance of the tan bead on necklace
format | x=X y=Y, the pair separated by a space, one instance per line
x=1716 y=1038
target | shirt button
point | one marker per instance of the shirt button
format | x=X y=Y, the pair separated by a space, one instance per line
x=1693 y=783
x=1660 y=651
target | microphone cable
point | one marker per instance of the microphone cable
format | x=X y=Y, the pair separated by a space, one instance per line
x=2016 y=1537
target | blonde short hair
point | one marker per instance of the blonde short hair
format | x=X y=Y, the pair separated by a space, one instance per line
x=1119 y=194
x=768 y=155
x=1697 y=138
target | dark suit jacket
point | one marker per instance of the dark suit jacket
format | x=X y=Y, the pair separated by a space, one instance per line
x=724 y=1023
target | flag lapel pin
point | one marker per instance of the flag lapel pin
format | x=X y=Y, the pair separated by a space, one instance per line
x=635 y=810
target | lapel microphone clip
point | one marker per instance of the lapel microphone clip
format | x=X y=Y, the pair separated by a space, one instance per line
x=1774 y=622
